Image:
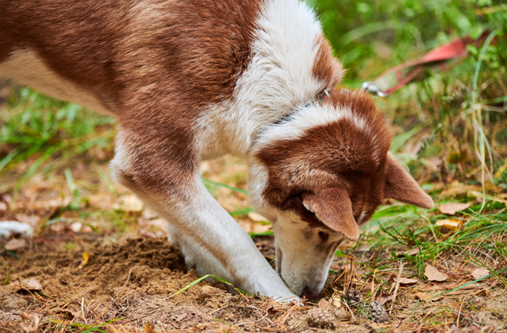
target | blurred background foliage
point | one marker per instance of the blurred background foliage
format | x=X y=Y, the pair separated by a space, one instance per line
x=450 y=123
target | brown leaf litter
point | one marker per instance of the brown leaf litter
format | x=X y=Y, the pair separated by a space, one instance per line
x=453 y=207
x=434 y=274
x=480 y=273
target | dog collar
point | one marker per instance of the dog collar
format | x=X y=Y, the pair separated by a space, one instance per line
x=323 y=97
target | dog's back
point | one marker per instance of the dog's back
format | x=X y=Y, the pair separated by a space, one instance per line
x=101 y=53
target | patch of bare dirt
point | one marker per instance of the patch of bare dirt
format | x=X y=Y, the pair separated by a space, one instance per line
x=70 y=282
x=132 y=283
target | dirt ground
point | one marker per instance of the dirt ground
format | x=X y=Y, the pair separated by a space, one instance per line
x=128 y=283
x=99 y=261
x=135 y=279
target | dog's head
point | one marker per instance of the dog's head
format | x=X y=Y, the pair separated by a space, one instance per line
x=318 y=175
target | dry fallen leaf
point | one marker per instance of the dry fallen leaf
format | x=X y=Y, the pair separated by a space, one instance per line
x=434 y=274
x=31 y=220
x=336 y=301
x=453 y=207
x=427 y=297
x=451 y=224
x=130 y=203
x=323 y=304
x=258 y=228
x=256 y=217
x=458 y=188
x=412 y=252
x=149 y=214
x=33 y=325
x=69 y=215
x=76 y=226
x=385 y=298
x=407 y=282
x=15 y=244
x=53 y=203
x=3 y=206
x=149 y=328
x=480 y=273
x=28 y=284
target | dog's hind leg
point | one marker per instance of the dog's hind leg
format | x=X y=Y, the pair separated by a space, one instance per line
x=210 y=239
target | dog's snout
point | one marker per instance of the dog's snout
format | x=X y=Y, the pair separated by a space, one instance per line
x=310 y=294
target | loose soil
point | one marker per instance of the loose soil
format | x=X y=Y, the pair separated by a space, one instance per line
x=135 y=279
x=131 y=283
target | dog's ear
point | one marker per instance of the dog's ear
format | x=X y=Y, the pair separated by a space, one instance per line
x=401 y=186
x=332 y=207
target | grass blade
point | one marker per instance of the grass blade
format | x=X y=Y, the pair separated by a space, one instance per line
x=193 y=283
x=232 y=188
x=243 y=211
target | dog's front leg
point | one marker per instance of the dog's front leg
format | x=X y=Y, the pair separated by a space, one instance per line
x=210 y=239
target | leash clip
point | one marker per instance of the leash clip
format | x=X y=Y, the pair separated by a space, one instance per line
x=373 y=89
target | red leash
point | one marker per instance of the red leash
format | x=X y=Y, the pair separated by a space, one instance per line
x=444 y=56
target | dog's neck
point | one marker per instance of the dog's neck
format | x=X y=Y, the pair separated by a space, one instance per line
x=291 y=64
x=320 y=99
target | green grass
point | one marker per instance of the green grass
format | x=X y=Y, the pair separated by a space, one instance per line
x=45 y=129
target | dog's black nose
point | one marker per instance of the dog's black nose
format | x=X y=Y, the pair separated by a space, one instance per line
x=309 y=294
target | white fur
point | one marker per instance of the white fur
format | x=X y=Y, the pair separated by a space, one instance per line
x=278 y=80
x=202 y=229
x=25 y=67
x=303 y=264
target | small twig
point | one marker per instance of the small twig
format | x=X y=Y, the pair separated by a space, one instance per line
x=373 y=283
x=260 y=314
x=127 y=294
x=223 y=307
x=128 y=278
x=351 y=313
x=284 y=318
x=459 y=313
x=161 y=325
x=82 y=310
x=431 y=228
x=397 y=286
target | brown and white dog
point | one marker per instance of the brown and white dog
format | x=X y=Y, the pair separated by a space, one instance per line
x=189 y=80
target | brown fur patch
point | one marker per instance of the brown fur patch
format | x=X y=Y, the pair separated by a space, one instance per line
x=401 y=186
x=156 y=63
x=326 y=68
x=332 y=206
x=340 y=148
x=201 y=49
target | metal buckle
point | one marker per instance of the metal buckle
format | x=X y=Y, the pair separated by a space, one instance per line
x=373 y=89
